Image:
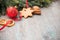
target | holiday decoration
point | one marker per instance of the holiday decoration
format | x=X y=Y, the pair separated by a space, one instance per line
x=12 y=7
x=29 y=11
x=36 y=10
x=4 y=23
x=12 y=12
x=26 y=12
x=22 y=3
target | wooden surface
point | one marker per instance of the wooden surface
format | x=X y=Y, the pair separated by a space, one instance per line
x=39 y=27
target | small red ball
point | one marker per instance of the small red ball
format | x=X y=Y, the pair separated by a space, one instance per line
x=12 y=12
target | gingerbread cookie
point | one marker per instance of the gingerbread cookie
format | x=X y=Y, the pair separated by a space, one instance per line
x=26 y=12
x=22 y=12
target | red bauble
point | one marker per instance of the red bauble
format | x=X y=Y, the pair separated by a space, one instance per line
x=12 y=12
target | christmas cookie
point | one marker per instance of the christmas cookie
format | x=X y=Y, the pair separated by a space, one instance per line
x=36 y=10
x=26 y=12
x=22 y=13
x=29 y=12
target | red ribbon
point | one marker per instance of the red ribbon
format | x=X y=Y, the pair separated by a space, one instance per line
x=27 y=4
x=5 y=25
x=17 y=19
x=20 y=16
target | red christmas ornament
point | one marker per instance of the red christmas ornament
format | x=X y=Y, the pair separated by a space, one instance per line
x=12 y=12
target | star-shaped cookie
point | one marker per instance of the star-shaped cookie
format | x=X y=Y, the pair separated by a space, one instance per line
x=26 y=12
x=29 y=11
x=23 y=11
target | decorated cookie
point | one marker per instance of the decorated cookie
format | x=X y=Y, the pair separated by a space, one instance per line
x=29 y=12
x=23 y=12
x=26 y=12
